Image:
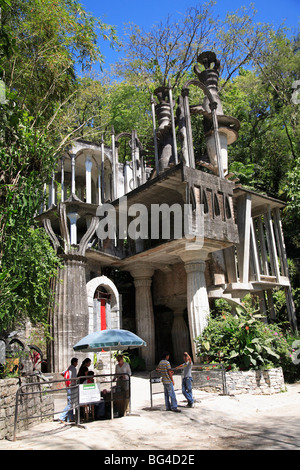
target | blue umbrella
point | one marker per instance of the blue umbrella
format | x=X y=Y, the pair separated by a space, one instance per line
x=109 y=340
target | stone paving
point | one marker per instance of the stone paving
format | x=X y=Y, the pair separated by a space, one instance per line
x=217 y=422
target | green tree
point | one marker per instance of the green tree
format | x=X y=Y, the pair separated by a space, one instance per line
x=27 y=259
x=42 y=44
x=169 y=49
x=49 y=41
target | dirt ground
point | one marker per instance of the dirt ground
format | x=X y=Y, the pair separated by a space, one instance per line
x=217 y=422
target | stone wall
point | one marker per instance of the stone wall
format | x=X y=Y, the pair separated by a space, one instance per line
x=256 y=382
x=260 y=382
x=28 y=406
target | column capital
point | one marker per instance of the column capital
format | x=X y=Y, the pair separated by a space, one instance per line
x=73 y=217
x=190 y=255
x=141 y=271
x=194 y=266
x=142 y=282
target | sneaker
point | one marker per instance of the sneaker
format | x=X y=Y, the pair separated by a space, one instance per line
x=176 y=410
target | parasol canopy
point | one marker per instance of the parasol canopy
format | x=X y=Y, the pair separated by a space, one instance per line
x=109 y=340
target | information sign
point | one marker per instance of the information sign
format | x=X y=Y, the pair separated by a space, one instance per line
x=89 y=393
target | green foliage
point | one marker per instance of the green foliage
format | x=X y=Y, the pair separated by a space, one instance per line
x=43 y=42
x=245 y=342
x=28 y=261
x=47 y=42
x=135 y=362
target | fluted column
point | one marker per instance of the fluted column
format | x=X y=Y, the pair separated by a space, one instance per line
x=179 y=331
x=144 y=311
x=197 y=298
x=69 y=318
x=180 y=337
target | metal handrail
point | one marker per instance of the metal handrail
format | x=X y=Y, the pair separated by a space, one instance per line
x=195 y=368
x=21 y=392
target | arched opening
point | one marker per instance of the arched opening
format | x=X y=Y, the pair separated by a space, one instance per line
x=103 y=304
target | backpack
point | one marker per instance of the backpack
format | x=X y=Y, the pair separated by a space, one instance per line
x=67 y=375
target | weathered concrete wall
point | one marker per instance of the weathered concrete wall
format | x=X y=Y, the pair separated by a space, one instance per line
x=29 y=405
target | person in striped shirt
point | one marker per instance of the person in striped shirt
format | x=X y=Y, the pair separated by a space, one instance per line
x=164 y=367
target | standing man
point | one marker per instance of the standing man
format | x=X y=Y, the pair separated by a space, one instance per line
x=67 y=414
x=164 y=367
x=187 y=380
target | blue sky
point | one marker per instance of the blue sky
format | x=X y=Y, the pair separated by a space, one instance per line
x=146 y=13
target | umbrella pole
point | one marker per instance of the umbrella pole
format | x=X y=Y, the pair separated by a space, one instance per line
x=111 y=390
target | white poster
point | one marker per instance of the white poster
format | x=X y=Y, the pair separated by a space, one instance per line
x=89 y=393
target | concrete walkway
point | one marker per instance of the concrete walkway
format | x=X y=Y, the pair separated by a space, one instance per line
x=242 y=422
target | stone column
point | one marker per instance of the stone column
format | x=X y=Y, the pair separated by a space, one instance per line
x=144 y=311
x=73 y=173
x=69 y=318
x=179 y=331
x=69 y=313
x=88 y=179
x=99 y=185
x=197 y=298
x=52 y=191
x=62 y=181
x=73 y=217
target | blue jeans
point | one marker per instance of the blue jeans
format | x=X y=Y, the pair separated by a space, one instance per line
x=170 y=397
x=187 y=383
x=67 y=413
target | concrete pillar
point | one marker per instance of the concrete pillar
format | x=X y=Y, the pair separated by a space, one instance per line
x=88 y=179
x=62 y=181
x=179 y=331
x=52 y=191
x=69 y=318
x=197 y=298
x=73 y=173
x=99 y=185
x=73 y=217
x=142 y=275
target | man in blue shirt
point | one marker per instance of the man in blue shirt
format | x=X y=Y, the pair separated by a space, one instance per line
x=187 y=380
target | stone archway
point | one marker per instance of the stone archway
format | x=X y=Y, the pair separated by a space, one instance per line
x=115 y=301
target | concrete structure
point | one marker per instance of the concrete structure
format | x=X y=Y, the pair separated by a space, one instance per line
x=213 y=238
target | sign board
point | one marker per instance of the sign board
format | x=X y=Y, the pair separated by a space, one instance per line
x=89 y=393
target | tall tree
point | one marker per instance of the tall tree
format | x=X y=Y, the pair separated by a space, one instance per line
x=51 y=40
x=42 y=43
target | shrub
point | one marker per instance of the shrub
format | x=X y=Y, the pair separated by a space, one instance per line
x=246 y=342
